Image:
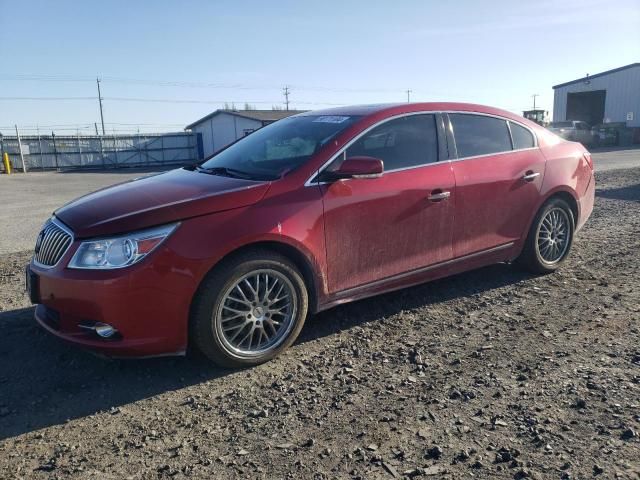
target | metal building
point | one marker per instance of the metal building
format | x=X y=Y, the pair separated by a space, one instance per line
x=222 y=127
x=608 y=97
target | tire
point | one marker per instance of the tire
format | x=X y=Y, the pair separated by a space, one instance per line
x=227 y=309
x=540 y=255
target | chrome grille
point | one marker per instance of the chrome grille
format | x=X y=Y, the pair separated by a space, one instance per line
x=52 y=243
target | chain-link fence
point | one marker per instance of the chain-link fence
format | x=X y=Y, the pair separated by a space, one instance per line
x=45 y=152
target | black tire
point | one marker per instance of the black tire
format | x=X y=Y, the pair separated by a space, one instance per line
x=531 y=257
x=206 y=330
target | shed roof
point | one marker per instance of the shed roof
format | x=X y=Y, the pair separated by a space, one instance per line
x=259 y=115
x=601 y=74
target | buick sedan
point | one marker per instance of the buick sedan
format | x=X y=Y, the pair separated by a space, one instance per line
x=230 y=256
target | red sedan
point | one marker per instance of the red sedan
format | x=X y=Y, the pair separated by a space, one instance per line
x=231 y=255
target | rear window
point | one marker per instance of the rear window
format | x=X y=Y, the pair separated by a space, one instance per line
x=522 y=138
x=479 y=135
x=561 y=124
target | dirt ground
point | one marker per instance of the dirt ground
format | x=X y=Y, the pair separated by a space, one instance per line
x=489 y=374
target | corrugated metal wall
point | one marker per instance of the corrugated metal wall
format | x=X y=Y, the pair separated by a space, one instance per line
x=623 y=96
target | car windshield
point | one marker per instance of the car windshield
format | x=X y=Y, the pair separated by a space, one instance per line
x=561 y=124
x=274 y=150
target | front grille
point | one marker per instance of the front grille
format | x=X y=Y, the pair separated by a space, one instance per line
x=52 y=243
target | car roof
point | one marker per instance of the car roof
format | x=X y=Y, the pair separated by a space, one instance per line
x=391 y=109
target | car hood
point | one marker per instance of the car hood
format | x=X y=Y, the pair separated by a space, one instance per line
x=155 y=200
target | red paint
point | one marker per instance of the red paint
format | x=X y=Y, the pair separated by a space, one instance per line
x=354 y=166
x=363 y=220
x=493 y=202
x=357 y=237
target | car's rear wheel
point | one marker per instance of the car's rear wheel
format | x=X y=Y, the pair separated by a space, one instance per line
x=550 y=237
x=249 y=309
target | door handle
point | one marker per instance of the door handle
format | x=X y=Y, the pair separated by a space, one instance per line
x=530 y=176
x=438 y=197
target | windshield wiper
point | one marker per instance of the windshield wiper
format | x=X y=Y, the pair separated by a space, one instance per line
x=225 y=171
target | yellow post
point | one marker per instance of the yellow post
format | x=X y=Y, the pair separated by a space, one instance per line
x=7 y=164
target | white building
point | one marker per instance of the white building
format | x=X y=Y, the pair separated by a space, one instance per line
x=607 y=97
x=222 y=127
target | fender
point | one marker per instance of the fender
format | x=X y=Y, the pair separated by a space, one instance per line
x=562 y=189
x=316 y=271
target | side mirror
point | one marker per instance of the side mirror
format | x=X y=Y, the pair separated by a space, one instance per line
x=357 y=167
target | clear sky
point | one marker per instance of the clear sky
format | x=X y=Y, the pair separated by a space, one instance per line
x=205 y=53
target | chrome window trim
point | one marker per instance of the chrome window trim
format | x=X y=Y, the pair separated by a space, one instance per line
x=510 y=136
x=482 y=114
x=309 y=182
x=66 y=230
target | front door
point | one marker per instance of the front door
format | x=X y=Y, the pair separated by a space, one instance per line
x=377 y=228
x=498 y=177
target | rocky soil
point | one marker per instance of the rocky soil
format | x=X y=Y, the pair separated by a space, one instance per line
x=489 y=374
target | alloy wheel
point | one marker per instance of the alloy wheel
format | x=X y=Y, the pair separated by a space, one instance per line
x=256 y=313
x=553 y=236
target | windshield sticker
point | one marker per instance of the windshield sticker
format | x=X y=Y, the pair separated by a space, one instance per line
x=331 y=119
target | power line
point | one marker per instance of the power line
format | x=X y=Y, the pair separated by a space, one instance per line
x=188 y=84
x=47 y=98
x=163 y=100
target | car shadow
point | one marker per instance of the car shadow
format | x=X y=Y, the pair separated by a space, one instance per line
x=45 y=382
x=376 y=308
x=629 y=193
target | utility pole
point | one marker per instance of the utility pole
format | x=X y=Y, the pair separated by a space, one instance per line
x=286 y=92
x=24 y=165
x=100 y=102
x=534 y=100
x=408 y=96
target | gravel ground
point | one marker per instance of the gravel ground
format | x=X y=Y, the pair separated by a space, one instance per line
x=488 y=374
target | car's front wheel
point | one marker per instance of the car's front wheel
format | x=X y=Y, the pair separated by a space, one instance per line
x=249 y=309
x=550 y=237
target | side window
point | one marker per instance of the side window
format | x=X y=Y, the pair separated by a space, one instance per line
x=404 y=142
x=522 y=138
x=479 y=135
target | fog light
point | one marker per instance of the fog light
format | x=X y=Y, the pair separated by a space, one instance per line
x=103 y=330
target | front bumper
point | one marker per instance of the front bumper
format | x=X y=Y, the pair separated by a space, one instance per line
x=147 y=303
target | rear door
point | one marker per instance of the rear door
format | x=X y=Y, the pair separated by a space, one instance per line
x=498 y=174
x=377 y=228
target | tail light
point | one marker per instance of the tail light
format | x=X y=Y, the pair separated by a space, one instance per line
x=587 y=157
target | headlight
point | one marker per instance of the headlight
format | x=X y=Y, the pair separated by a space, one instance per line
x=120 y=251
